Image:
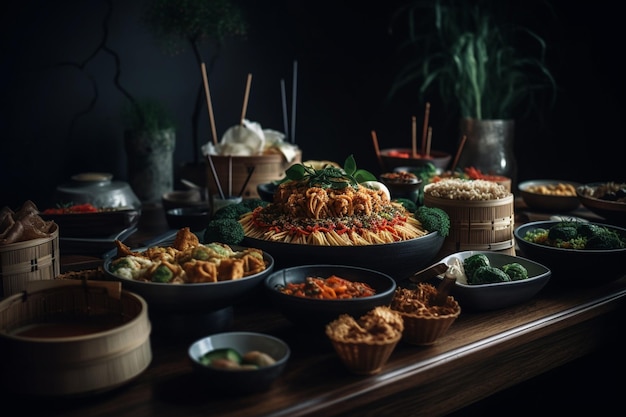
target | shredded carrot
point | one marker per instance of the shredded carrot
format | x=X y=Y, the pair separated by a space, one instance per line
x=330 y=288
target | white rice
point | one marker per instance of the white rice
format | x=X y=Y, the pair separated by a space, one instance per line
x=462 y=189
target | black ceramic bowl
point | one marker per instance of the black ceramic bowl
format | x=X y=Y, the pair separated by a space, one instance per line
x=575 y=266
x=549 y=202
x=91 y=225
x=398 y=259
x=194 y=298
x=234 y=382
x=266 y=191
x=318 y=312
x=500 y=294
x=196 y=218
x=396 y=157
x=613 y=208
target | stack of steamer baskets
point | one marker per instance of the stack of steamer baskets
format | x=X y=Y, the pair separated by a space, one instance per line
x=481 y=214
x=69 y=337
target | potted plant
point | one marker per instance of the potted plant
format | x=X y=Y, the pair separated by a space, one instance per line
x=149 y=140
x=486 y=69
x=195 y=23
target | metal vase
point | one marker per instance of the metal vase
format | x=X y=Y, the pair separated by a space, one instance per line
x=489 y=147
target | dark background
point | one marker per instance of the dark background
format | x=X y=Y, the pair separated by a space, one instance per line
x=61 y=109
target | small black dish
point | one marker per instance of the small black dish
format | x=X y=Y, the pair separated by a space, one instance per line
x=196 y=218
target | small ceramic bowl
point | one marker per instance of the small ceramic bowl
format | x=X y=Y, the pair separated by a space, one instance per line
x=182 y=198
x=402 y=184
x=240 y=380
x=550 y=195
x=196 y=218
x=479 y=297
x=266 y=191
x=317 y=312
x=396 y=157
x=606 y=199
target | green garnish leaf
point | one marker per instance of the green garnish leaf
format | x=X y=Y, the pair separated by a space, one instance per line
x=329 y=176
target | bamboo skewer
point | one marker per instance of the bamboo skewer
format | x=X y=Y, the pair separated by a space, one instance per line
x=414 y=135
x=293 y=101
x=377 y=150
x=230 y=176
x=207 y=93
x=283 y=99
x=250 y=170
x=245 y=98
x=428 y=141
x=458 y=153
x=425 y=129
x=215 y=177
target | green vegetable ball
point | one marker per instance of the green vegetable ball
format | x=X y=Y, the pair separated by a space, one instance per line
x=231 y=211
x=408 y=204
x=563 y=231
x=433 y=219
x=515 y=271
x=252 y=203
x=603 y=241
x=472 y=263
x=224 y=230
x=488 y=275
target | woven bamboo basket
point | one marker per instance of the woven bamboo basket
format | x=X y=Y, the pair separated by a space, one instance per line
x=30 y=260
x=477 y=224
x=72 y=338
x=267 y=168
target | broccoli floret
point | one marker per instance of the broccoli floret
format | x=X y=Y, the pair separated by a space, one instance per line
x=589 y=229
x=472 y=263
x=225 y=230
x=252 y=203
x=599 y=237
x=563 y=231
x=487 y=275
x=408 y=204
x=605 y=240
x=515 y=271
x=433 y=219
x=231 y=211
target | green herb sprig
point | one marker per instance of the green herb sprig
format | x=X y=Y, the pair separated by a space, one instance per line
x=330 y=176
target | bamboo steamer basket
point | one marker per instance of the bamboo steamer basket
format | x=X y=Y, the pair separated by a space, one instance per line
x=72 y=338
x=267 y=168
x=30 y=260
x=477 y=224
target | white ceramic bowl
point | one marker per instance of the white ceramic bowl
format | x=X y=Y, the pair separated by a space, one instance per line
x=501 y=294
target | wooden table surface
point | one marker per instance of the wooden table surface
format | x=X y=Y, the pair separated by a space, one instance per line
x=482 y=353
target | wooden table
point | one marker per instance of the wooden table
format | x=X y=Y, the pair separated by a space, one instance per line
x=481 y=353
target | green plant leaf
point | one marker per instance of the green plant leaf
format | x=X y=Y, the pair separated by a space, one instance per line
x=467 y=54
x=349 y=165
